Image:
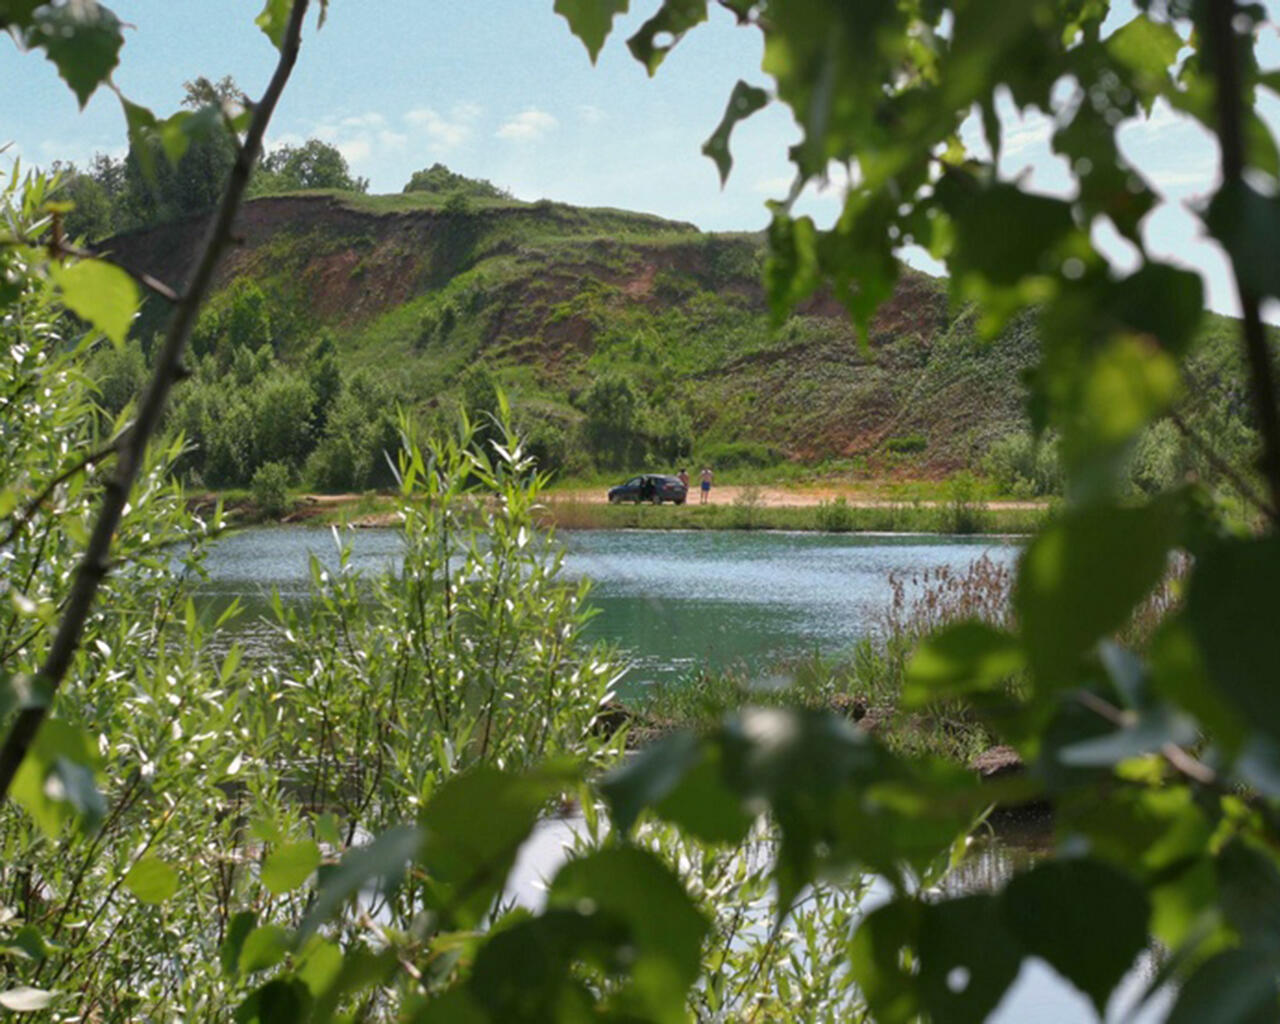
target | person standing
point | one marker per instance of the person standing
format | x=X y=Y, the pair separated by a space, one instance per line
x=683 y=477
x=706 y=484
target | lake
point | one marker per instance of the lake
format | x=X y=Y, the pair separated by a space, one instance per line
x=670 y=601
x=673 y=601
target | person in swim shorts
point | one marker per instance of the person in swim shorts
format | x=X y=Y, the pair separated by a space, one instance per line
x=706 y=484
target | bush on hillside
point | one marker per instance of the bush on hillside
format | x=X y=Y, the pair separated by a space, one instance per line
x=1023 y=466
x=740 y=455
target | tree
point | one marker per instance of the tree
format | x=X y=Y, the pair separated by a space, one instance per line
x=312 y=165
x=439 y=180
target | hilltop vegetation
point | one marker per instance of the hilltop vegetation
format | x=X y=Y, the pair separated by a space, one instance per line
x=622 y=340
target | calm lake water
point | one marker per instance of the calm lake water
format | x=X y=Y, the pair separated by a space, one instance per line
x=672 y=601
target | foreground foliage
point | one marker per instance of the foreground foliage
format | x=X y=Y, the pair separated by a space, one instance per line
x=330 y=839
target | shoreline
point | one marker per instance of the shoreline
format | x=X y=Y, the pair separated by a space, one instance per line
x=772 y=509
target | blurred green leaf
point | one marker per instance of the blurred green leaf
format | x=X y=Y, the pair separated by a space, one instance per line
x=283 y=1001
x=468 y=855
x=968 y=958
x=263 y=947
x=237 y=931
x=289 y=866
x=152 y=880
x=82 y=39
x=55 y=780
x=100 y=293
x=1247 y=223
x=1086 y=919
x=659 y=35
x=274 y=20
x=1082 y=576
x=591 y=20
x=1231 y=609
x=1238 y=986
x=957 y=660
x=377 y=864
x=744 y=101
x=663 y=928
x=648 y=777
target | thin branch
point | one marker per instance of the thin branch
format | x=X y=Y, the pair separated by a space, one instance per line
x=1232 y=475
x=1182 y=762
x=168 y=369
x=1223 y=41
x=24 y=514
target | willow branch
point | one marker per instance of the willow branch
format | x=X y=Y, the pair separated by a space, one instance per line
x=24 y=515
x=1222 y=41
x=168 y=370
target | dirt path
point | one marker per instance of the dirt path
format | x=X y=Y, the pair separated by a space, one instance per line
x=785 y=497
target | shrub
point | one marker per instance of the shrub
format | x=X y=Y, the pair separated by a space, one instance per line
x=909 y=444
x=835 y=516
x=271 y=489
x=739 y=454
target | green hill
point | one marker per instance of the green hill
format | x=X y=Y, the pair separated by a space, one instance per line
x=622 y=339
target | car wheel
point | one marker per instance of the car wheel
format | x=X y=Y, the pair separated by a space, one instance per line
x=679 y=501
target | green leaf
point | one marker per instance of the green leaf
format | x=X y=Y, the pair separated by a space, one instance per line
x=274 y=20
x=83 y=41
x=468 y=855
x=100 y=293
x=1238 y=986
x=380 y=863
x=1082 y=576
x=968 y=958
x=649 y=777
x=702 y=805
x=591 y=20
x=151 y=880
x=1231 y=609
x=283 y=1001
x=743 y=102
x=1247 y=223
x=289 y=866
x=25 y=999
x=263 y=947
x=879 y=964
x=17 y=13
x=1086 y=919
x=663 y=929
x=659 y=35
x=1147 y=47
x=55 y=780
x=1002 y=233
x=958 y=660
x=229 y=952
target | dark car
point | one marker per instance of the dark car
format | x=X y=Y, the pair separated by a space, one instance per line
x=650 y=487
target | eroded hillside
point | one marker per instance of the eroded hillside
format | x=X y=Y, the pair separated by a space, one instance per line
x=552 y=298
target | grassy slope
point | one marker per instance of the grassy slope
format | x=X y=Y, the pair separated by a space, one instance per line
x=549 y=296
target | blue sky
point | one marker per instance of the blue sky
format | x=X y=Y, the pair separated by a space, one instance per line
x=499 y=89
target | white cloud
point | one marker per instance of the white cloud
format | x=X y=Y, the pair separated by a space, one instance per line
x=529 y=126
x=355 y=151
x=443 y=133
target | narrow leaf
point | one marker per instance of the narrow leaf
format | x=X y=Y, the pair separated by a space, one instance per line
x=743 y=102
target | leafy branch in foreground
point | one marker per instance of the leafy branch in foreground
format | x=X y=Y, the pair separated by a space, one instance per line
x=129 y=457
